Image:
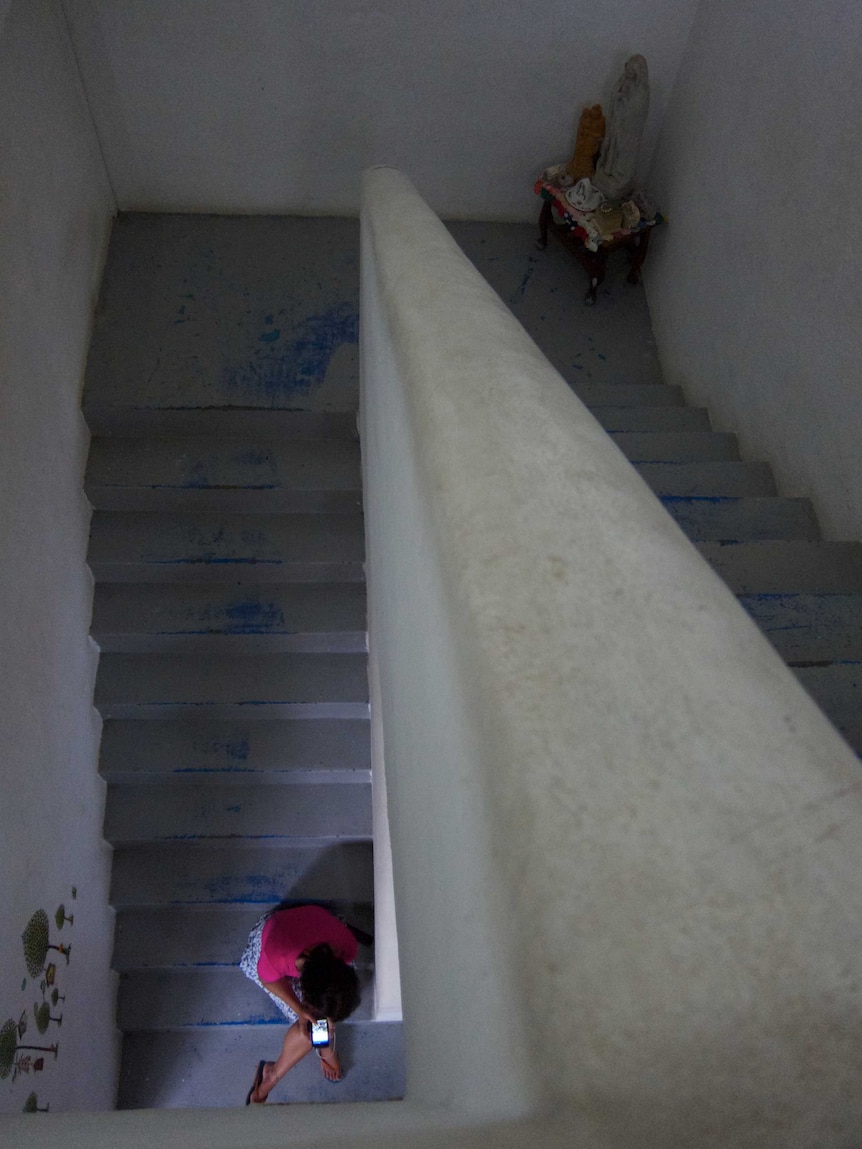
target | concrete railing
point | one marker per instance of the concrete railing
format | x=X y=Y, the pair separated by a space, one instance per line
x=626 y=845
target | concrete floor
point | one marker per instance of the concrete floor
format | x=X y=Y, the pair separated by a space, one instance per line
x=263 y=312
x=611 y=342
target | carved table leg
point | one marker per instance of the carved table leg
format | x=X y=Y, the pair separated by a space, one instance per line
x=544 y=221
x=639 y=254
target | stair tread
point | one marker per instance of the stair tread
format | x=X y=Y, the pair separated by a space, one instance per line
x=786 y=567
x=151 y=812
x=809 y=627
x=227 y=473
x=214 y=1067
x=247 y=679
x=151 y=547
x=204 y=936
x=190 y=998
x=738 y=519
x=290 y=616
x=136 y=751
x=241 y=873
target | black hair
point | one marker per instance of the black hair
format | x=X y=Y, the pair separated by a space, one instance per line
x=329 y=985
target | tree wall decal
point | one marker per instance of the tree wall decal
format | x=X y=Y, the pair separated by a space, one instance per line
x=37 y=943
x=9 y=1046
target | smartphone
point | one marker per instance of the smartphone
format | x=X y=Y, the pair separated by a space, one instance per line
x=319 y=1031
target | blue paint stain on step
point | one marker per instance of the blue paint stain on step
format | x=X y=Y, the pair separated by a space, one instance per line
x=298 y=362
x=522 y=286
x=253 y=617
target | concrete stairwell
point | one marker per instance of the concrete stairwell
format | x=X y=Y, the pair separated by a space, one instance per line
x=227 y=548
x=804 y=593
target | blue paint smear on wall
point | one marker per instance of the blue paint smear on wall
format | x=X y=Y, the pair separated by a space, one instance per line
x=292 y=366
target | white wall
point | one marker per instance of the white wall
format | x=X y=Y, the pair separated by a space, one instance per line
x=755 y=288
x=55 y=213
x=269 y=106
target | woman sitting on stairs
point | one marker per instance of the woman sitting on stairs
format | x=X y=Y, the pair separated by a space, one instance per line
x=301 y=957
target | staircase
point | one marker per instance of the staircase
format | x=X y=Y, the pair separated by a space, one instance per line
x=803 y=592
x=227 y=548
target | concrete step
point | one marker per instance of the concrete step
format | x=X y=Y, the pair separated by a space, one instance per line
x=291 y=617
x=229 y=473
x=787 y=567
x=722 y=479
x=303 y=751
x=627 y=394
x=250 y=549
x=218 y=686
x=652 y=418
x=809 y=627
x=277 y=423
x=837 y=690
x=205 y=937
x=739 y=520
x=676 y=446
x=179 y=999
x=215 y=1067
x=259 y=874
x=150 y=812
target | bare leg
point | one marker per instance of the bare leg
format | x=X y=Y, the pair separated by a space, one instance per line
x=296 y=1045
x=330 y=1065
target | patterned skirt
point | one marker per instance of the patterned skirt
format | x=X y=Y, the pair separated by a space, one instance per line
x=248 y=965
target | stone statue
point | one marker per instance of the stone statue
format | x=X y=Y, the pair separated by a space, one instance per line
x=591 y=129
x=615 y=171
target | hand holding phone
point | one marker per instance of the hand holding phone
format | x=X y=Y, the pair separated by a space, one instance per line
x=320 y=1033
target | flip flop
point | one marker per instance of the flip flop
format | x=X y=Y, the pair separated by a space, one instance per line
x=258 y=1078
x=331 y=1080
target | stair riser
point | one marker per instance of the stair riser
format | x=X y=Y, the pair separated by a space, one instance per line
x=709 y=480
x=627 y=394
x=231 y=502
x=261 y=423
x=787 y=568
x=652 y=418
x=837 y=689
x=228 y=645
x=676 y=446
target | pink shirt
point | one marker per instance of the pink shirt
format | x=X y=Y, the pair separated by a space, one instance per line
x=288 y=932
